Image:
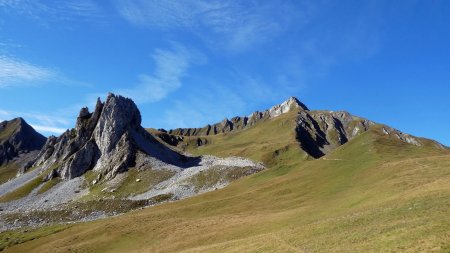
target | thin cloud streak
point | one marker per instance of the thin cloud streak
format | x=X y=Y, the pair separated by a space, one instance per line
x=17 y=72
x=70 y=10
x=47 y=123
x=235 y=25
x=48 y=129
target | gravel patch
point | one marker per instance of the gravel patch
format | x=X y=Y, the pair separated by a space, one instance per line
x=17 y=182
x=179 y=185
x=61 y=193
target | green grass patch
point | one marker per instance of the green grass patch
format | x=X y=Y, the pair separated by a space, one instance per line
x=148 y=178
x=48 y=185
x=8 y=171
x=208 y=178
x=128 y=186
x=258 y=142
x=17 y=236
x=9 y=130
x=27 y=188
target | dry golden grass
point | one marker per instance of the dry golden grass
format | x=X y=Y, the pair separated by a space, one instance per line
x=380 y=196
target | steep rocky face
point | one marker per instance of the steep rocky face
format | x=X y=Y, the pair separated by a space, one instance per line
x=239 y=123
x=319 y=132
x=18 y=138
x=109 y=140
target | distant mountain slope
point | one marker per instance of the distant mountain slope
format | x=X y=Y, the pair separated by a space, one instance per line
x=19 y=144
x=17 y=137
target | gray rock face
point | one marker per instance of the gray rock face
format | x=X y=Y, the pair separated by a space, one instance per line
x=17 y=138
x=320 y=132
x=106 y=140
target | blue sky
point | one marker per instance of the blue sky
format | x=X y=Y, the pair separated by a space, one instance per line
x=189 y=63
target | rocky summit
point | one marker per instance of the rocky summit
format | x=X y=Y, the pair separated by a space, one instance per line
x=239 y=123
x=109 y=140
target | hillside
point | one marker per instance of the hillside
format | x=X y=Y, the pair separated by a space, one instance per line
x=375 y=193
x=107 y=165
x=19 y=144
x=380 y=190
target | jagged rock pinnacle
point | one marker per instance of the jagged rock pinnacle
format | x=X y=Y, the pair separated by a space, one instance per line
x=107 y=140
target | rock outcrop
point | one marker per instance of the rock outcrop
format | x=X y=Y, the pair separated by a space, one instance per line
x=319 y=132
x=108 y=141
x=17 y=138
x=239 y=123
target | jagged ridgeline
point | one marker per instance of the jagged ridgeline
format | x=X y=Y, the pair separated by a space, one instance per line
x=109 y=140
x=315 y=132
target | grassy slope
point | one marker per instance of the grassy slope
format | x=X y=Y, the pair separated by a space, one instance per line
x=262 y=142
x=8 y=172
x=9 y=130
x=372 y=194
x=28 y=187
x=129 y=186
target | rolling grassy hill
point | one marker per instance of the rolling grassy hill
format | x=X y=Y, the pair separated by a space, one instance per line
x=373 y=194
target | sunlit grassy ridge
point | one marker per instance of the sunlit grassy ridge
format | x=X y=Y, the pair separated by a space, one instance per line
x=9 y=130
x=263 y=142
x=374 y=193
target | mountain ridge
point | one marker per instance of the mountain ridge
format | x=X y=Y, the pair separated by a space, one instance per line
x=240 y=122
x=318 y=132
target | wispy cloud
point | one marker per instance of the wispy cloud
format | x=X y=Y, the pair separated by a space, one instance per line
x=48 y=129
x=170 y=67
x=45 y=123
x=14 y=72
x=68 y=10
x=236 y=25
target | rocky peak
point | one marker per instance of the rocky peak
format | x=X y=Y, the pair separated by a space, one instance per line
x=108 y=140
x=286 y=106
x=119 y=115
x=16 y=138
